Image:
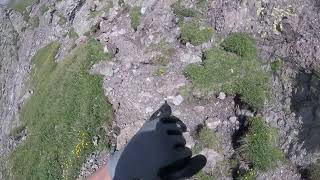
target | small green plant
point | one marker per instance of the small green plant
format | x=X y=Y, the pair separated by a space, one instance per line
x=34 y=22
x=62 y=20
x=315 y=171
x=21 y=5
x=203 y=176
x=135 y=17
x=182 y=11
x=249 y=175
x=241 y=44
x=73 y=34
x=191 y=32
x=43 y=9
x=230 y=73
x=206 y=138
x=276 y=65
x=164 y=53
x=160 y=71
x=63 y=115
x=260 y=145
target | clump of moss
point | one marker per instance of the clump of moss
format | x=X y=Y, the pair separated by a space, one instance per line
x=206 y=138
x=260 y=145
x=62 y=20
x=249 y=175
x=62 y=116
x=203 y=176
x=191 y=32
x=231 y=73
x=276 y=65
x=315 y=171
x=160 y=71
x=182 y=11
x=21 y=5
x=164 y=53
x=73 y=34
x=135 y=16
x=241 y=44
x=34 y=22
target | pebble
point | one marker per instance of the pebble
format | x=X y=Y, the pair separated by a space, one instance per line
x=143 y=10
x=198 y=109
x=233 y=119
x=177 y=100
x=221 y=96
x=213 y=123
x=149 y=110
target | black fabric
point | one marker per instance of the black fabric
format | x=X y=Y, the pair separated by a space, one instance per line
x=158 y=151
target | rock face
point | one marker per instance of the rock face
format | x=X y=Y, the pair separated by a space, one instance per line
x=10 y=66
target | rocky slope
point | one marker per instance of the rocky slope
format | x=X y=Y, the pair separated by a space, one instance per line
x=136 y=86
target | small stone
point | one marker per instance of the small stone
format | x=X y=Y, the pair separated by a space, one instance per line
x=198 y=109
x=189 y=140
x=190 y=58
x=221 y=96
x=143 y=10
x=105 y=49
x=149 y=110
x=213 y=123
x=233 y=119
x=212 y=158
x=177 y=100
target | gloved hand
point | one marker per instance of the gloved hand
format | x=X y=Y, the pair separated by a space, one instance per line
x=156 y=152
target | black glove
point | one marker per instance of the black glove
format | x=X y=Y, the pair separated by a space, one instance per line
x=156 y=152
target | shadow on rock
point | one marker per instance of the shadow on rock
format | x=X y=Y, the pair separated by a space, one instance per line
x=306 y=105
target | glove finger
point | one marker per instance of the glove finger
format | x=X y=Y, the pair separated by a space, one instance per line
x=177 y=170
x=178 y=141
x=174 y=120
x=182 y=153
x=172 y=129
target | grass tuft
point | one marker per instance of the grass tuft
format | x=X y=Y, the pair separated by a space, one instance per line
x=73 y=34
x=135 y=17
x=315 y=171
x=260 y=145
x=191 y=32
x=249 y=175
x=62 y=116
x=230 y=73
x=206 y=138
x=182 y=11
x=203 y=176
x=276 y=65
x=21 y=5
x=241 y=44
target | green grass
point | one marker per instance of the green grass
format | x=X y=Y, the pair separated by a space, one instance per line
x=73 y=34
x=203 y=176
x=135 y=16
x=241 y=44
x=66 y=110
x=182 y=11
x=260 y=145
x=191 y=32
x=276 y=65
x=160 y=71
x=315 y=171
x=21 y=5
x=164 y=53
x=34 y=22
x=206 y=138
x=249 y=175
x=62 y=20
x=231 y=73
